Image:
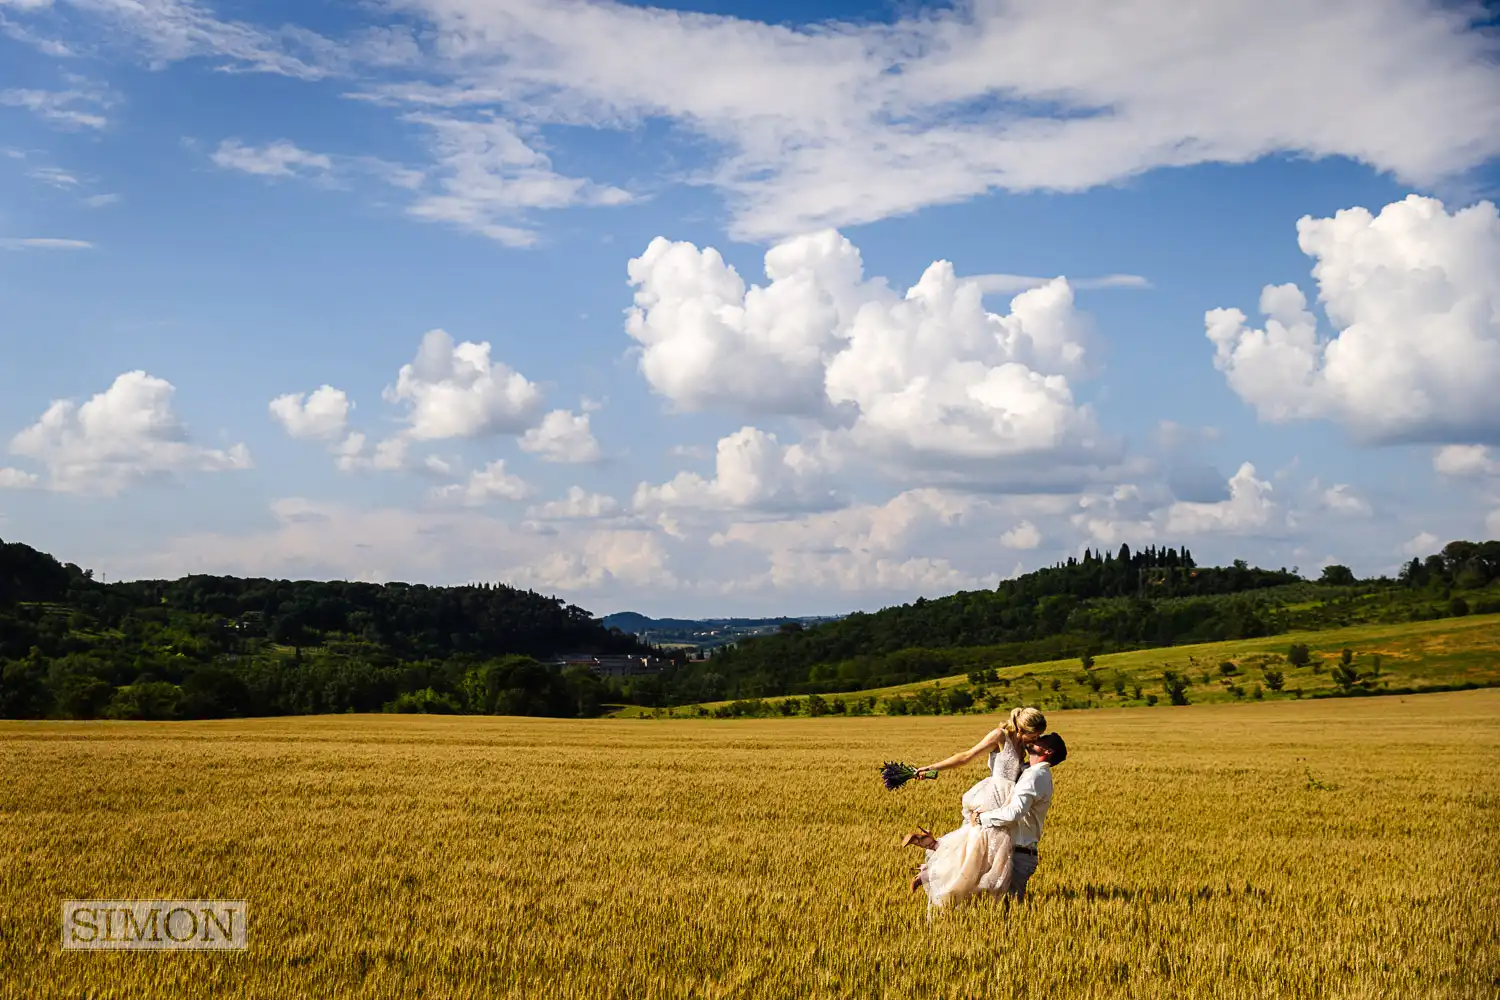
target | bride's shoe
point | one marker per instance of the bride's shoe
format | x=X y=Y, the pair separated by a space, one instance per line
x=920 y=837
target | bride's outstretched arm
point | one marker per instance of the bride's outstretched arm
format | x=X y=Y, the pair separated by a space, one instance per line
x=990 y=742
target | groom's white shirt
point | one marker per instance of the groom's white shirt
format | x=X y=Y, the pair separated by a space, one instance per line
x=1026 y=809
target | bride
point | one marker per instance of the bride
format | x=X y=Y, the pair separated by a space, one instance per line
x=973 y=858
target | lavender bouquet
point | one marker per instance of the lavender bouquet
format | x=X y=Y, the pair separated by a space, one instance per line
x=895 y=774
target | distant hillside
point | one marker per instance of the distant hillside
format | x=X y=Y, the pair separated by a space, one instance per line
x=635 y=624
x=1101 y=603
x=704 y=634
x=1402 y=658
x=210 y=645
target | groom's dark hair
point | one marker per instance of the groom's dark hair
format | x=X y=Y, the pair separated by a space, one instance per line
x=1053 y=746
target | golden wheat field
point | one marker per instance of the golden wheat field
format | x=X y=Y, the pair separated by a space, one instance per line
x=1316 y=849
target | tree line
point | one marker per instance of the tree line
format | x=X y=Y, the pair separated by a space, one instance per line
x=213 y=646
x=1099 y=603
x=209 y=646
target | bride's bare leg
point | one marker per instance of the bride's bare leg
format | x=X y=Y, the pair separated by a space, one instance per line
x=920 y=837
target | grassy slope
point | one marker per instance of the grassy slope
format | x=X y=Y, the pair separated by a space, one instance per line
x=1445 y=652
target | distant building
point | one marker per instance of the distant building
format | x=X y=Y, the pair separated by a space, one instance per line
x=611 y=664
x=250 y=623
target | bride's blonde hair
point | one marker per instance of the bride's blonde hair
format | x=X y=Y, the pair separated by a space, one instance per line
x=1025 y=721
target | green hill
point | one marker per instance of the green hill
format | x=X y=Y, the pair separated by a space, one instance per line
x=208 y=646
x=1099 y=604
x=1383 y=659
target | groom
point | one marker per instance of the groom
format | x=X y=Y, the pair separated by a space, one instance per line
x=1026 y=809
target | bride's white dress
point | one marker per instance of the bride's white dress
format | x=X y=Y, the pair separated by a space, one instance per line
x=976 y=859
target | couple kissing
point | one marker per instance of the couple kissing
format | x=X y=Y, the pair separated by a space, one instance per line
x=994 y=851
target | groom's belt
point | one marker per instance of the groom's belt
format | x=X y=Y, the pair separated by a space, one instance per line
x=1026 y=850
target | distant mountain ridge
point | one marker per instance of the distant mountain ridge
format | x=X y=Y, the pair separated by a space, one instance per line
x=634 y=623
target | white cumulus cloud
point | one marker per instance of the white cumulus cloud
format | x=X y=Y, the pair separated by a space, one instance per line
x=17 y=479
x=752 y=470
x=484 y=486
x=1023 y=536
x=578 y=504
x=709 y=341
x=1424 y=543
x=1248 y=508
x=355 y=453
x=562 y=436
x=1465 y=461
x=124 y=435
x=320 y=414
x=458 y=391
x=1143 y=513
x=925 y=378
x=1341 y=499
x=601 y=559
x=1415 y=295
x=864 y=547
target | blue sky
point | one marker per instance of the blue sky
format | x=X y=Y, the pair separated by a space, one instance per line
x=448 y=290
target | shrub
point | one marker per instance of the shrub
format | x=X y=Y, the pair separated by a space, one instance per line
x=959 y=700
x=1227 y=667
x=896 y=706
x=1298 y=655
x=1236 y=691
x=146 y=700
x=1087 y=659
x=426 y=701
x=1151 y=699
x=1135 y=692
x=83 y=696
x=1095 y=682
x=1458 y=607
x=1256 y=692
x=927 y=701
x=1346 y=677
x=1273 y=678
x=1175 y=688
x=817 y=705
x=1347 y=656
x=1056 y=684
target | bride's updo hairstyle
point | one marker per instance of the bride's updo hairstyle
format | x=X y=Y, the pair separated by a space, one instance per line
x=1028 y=722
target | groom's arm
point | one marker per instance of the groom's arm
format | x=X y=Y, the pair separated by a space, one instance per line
x=1021 y=798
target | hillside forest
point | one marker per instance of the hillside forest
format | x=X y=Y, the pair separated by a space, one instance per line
x=208 y=646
